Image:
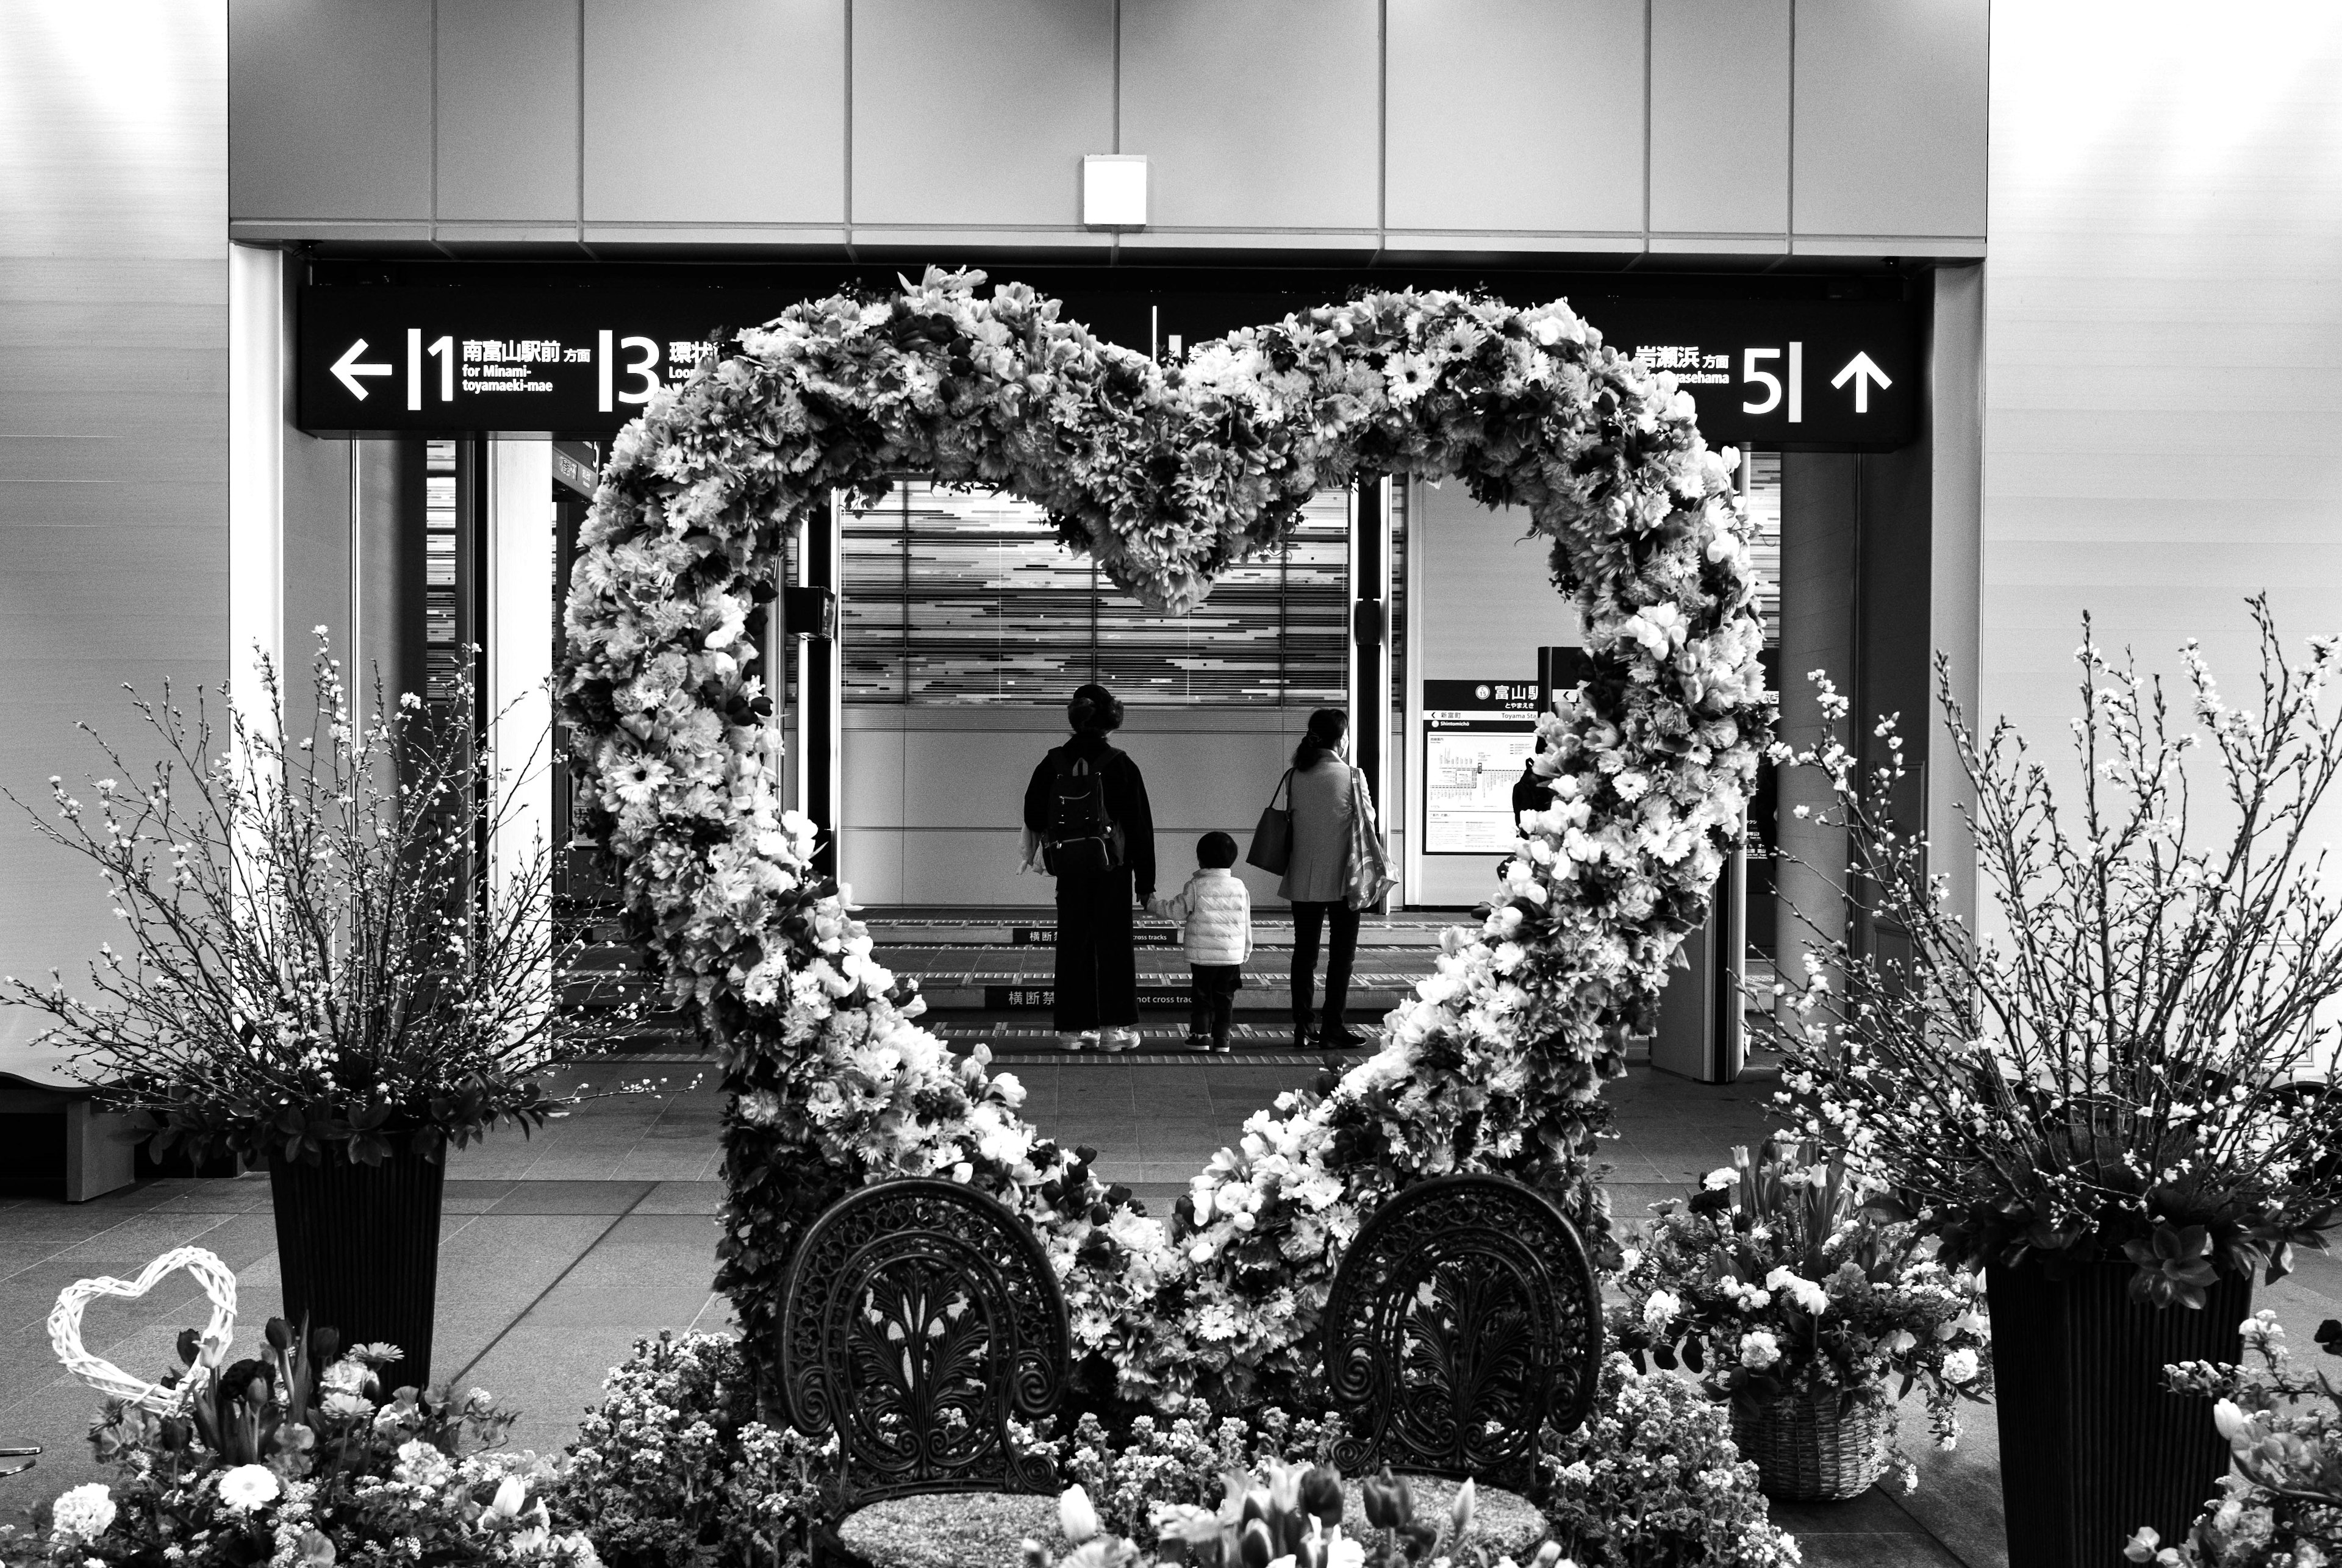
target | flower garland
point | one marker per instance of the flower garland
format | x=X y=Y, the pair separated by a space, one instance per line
x=1165 y=476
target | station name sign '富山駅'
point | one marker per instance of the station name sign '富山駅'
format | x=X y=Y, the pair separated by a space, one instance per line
x=388 y=360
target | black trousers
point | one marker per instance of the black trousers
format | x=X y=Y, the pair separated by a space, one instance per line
x=1097 y=974
x=1308 y=919
x=1217 y=985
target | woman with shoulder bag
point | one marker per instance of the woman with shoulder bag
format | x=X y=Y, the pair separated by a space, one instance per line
x=1332 y=820
x=1087 y=813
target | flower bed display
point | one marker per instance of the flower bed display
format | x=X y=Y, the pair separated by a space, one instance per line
x=299 y=1459
x=664 y=1466
x=2280 y=1504
x=1166 y=475
x=1810 y=1313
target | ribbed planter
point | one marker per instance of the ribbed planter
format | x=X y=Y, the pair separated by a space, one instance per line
x=359 y=1246
x=1807 y=1450
x=2092 y=1445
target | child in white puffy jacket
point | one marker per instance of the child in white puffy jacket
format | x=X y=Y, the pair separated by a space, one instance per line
x=1214 y=912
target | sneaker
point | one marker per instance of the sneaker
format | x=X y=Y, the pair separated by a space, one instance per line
x=1088 y=1040
x=1340 y=1039
x=1222 y=1047
x=1199 y=1042
x=1120 y=1039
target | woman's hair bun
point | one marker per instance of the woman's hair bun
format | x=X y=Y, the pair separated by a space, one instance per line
x=1095 y=708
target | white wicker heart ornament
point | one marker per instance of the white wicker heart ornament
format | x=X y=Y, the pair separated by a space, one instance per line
x=65 y=1325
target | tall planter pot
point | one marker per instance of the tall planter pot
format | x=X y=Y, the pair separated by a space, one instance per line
x=359 y=1246
x=2092 y=1443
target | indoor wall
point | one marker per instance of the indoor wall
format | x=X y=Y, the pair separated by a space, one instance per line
x=114 y=449
x=2163 y=333
x=1691 y=127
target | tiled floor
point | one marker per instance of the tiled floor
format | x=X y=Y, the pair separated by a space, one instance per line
x=560 y=1250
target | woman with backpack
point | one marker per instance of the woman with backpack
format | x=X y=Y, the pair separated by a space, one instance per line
x=1328 y=798
x=1087 y=810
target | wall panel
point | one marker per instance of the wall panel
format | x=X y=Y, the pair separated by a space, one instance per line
x=776 y=90
x=1470 y=150
x=113 y=464
x=1890 y=116
x=2163 y=343
x=1255 y=116
x=329 y=109
x=1720 y=116
x=508 y=110
x=978 y=114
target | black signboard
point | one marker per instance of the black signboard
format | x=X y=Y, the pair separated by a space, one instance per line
x=1040 y=998
x=383 y=359
x=1775 y=372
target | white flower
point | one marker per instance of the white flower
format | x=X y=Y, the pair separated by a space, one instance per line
x=1901 y=1340
x=1659 y=1310
x=1341 y=1551
x=85 y=1511
x=2234 y=1424
x=1759 y=1350
x=1960 y=1366
x=1076 y=1516
x=344 y=1376
x=248 y=1487
x=512 y=1496
x=1723 y=1176
x=1809 y=1296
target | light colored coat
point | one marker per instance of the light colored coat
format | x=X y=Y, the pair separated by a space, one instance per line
x=1215 y=915
x=1319 y=871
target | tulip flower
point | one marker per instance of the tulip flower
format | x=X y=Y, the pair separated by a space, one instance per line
x=1321 y=1495
x=1389 y=1502
x=1076 y=1515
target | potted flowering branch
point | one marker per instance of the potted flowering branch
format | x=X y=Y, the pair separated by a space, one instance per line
x=1811 y=1312
x=319 y=973
x=2113 y=1099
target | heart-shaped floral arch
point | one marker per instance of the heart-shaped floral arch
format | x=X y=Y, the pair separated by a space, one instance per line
x=1165 y=476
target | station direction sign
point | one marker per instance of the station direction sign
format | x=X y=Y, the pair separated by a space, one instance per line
x=385 y=359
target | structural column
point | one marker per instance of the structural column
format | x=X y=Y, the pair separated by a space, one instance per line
x=820 y=695
x=1820 y=554
x=1370 y=663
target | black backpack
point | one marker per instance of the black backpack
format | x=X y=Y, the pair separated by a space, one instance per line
x=1082 y=836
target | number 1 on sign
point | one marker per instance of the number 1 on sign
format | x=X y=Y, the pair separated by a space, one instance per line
x=445 y=352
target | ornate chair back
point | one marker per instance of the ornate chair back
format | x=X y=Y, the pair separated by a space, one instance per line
x=1464 y=1318
x=918 y=1318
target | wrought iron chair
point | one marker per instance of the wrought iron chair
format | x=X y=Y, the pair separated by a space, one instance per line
x=918 y=1318
x=1464 y=1320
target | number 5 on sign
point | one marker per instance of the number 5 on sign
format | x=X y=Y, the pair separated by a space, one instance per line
x=644 y=366
x=1751 y=373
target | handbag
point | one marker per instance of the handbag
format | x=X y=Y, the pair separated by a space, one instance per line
x=1272 y=836
x=1369 y=877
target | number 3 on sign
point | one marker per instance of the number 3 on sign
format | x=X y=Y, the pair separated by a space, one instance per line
x=644 y=366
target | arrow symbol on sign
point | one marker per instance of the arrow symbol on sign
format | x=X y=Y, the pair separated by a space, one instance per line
x=1863 y=369
x=349 y=369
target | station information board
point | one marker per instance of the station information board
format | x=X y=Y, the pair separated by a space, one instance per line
x=1477 y=735
x=388 y=359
